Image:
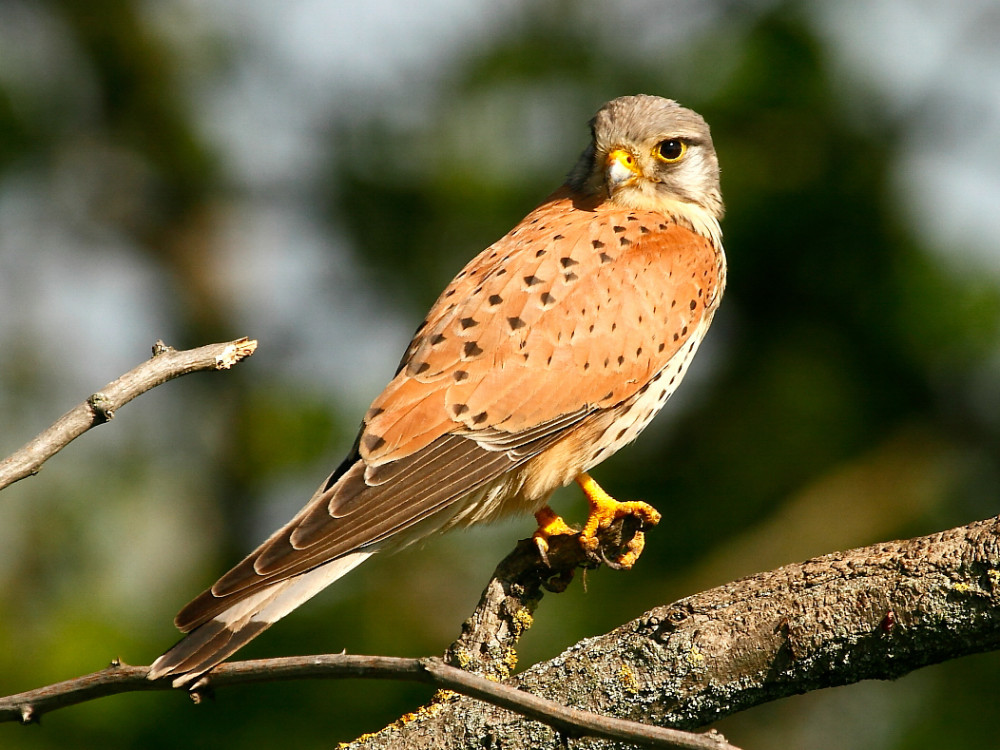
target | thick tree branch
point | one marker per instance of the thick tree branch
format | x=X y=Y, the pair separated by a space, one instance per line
x=872 y=613
x=166 y=364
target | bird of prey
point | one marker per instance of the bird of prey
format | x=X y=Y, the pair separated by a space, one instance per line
x=547 y=353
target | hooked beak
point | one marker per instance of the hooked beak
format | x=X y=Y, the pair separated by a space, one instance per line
x=620 y=168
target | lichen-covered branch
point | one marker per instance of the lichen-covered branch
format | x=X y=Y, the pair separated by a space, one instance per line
x=507 y=605
x=167 y=363
x=871 y=613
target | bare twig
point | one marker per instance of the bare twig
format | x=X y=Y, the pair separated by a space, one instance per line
x=120 y=678
x=167 y=363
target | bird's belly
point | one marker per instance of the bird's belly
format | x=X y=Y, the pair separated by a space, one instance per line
x=634 y=415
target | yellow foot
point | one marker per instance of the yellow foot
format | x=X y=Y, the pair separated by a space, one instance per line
x=604 y=510
x=549 y=525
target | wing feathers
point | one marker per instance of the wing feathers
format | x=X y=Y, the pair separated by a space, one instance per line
x=523 y=349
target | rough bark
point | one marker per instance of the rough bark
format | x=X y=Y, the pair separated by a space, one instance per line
x=876 y=612
x=507 y=606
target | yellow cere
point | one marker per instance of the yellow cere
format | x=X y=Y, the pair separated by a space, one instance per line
x=623 y=157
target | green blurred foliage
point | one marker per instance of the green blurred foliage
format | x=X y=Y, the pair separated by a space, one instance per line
x=832 y=406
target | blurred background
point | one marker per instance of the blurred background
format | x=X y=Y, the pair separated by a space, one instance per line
x=312 y=173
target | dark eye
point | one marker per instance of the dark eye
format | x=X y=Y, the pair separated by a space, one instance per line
x=670 y=150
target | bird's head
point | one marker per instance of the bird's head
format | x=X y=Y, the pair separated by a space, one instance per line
x=651 y=153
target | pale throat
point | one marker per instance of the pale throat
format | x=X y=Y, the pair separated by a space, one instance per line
x=694 y=215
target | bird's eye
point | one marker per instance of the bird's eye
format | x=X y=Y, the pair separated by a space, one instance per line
x=670 y=150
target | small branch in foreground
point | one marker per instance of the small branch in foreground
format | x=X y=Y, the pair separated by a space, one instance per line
x=167 y=363
x=120 y=678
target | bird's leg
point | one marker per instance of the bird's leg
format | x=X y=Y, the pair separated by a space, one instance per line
x=549 y=524
x=604 y=510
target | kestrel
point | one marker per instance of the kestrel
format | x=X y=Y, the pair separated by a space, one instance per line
x=548 y=352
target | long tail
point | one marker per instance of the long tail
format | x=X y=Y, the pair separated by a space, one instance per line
x=215 y=640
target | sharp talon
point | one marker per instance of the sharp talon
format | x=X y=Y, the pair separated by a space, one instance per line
x=542 y=546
